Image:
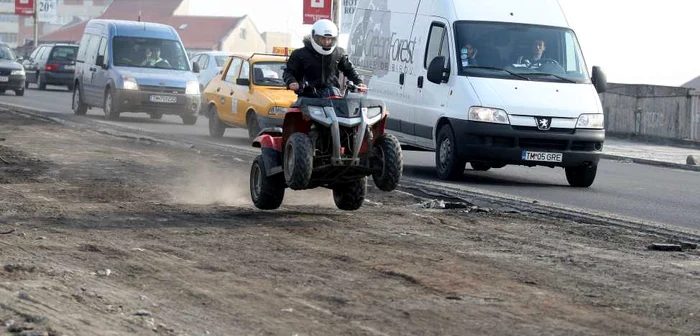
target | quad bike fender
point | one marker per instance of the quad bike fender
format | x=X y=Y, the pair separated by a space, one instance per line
x=273 y=161
x=268 y=141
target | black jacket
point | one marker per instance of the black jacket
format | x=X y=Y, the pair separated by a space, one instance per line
x=320 y=71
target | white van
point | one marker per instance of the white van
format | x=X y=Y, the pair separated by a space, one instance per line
x=506 y=105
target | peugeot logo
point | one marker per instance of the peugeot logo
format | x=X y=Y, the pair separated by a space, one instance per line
x=543 y=124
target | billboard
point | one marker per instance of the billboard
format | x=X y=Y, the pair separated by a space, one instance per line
x=24 y=7
x=316 y=10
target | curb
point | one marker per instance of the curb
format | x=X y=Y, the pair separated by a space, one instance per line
x=648 y=162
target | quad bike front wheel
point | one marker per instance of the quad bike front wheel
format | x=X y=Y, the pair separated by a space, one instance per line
x=350 y=195
x=267 y=192
x=390 y=158
x=298 y=161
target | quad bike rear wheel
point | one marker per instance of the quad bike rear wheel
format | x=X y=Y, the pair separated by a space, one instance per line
x=267 y=192
x=350 y=195
x=298 y=161
x=391 y=160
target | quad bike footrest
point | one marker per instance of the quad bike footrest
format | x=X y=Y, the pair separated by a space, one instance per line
x=345 y=161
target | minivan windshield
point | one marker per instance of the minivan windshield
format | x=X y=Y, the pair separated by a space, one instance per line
x=149 y=53
x=519 y=51
x=6 y=53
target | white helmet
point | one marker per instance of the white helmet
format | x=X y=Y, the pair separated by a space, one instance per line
x=324 y=28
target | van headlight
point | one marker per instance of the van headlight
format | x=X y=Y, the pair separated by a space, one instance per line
x=17 y=72
x=487 y=114
x=130 y=83
x=591 y=120
x=373 y=112
x=192 y=88
x=277 y=110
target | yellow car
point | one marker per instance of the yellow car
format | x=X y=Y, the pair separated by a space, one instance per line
x=249 y=92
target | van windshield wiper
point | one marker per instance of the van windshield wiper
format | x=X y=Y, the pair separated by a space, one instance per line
x=499 y=69
x=549 y=74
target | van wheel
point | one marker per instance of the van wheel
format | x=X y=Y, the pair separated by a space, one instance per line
x=189 y=119
x=109 y=108
x=19 y=92
x=216 y=127
x=448 y=164
x=79 y=108
x=581 y=176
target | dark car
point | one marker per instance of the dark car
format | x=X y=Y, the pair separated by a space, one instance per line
x=51 y=64
x=12 y=75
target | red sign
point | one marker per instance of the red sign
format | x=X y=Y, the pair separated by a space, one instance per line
x=315 y=10
x=24 y=7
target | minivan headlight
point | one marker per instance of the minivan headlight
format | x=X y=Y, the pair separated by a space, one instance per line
x=192 y=88
x=487 y=114
x=591 y=120
x=130 y=83
x=17 y=72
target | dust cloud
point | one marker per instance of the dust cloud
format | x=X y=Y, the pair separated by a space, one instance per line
x=212 y=184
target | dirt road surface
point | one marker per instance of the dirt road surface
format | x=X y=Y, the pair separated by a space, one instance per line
x=108 y=235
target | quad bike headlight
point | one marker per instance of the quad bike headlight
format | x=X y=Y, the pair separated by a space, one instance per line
x=373 y=112
x=317 y=111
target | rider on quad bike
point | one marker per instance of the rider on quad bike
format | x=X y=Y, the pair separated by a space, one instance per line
x=320 y=61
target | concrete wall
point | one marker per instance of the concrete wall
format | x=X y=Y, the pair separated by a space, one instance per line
x=651 y=111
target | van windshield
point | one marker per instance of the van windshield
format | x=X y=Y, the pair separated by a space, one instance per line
x=149 y=53
x=519 y=51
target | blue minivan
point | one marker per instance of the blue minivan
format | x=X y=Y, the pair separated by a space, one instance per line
x=131 y=66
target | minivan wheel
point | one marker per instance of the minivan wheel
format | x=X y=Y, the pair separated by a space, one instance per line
x=110 y=111
x=189 y=119
x=448 y=164
x=79 y=108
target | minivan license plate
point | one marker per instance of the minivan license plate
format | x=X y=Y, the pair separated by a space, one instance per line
x=163 y=99
x=542 y=156
x=4 y=79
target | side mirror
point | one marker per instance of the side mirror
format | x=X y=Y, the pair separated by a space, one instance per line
x=195 y=67
x=243 y=81
x=100 y=61
x=437 y=73
x=19 y=59
x=599 y=81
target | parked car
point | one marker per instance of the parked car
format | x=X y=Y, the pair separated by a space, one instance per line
x=210 y=64
x=130 y=66
x=237 y=99
x=51 y=64
x=12 y=75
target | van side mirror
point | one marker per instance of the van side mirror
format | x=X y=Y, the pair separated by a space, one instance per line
x=195 y=67
x=100 y=61
x=243 y=81
x=437 y=72
x=599 y=80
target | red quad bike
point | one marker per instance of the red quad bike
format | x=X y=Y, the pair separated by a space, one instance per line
x=327 y=140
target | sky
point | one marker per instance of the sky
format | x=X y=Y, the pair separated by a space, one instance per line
x=634 y=41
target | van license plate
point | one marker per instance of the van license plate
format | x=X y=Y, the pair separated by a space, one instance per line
x=4 y=79
x=542 y=156
x=163 y=99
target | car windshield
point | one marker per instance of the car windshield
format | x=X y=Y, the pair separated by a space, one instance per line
x=64 y=53
x=519 y=51
x=149 y=53
x=220 y=60
x=6 y=53
x=268 y=73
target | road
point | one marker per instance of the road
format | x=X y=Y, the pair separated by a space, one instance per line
x=663 y=195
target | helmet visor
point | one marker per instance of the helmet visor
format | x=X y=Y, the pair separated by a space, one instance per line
x=326 y=42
